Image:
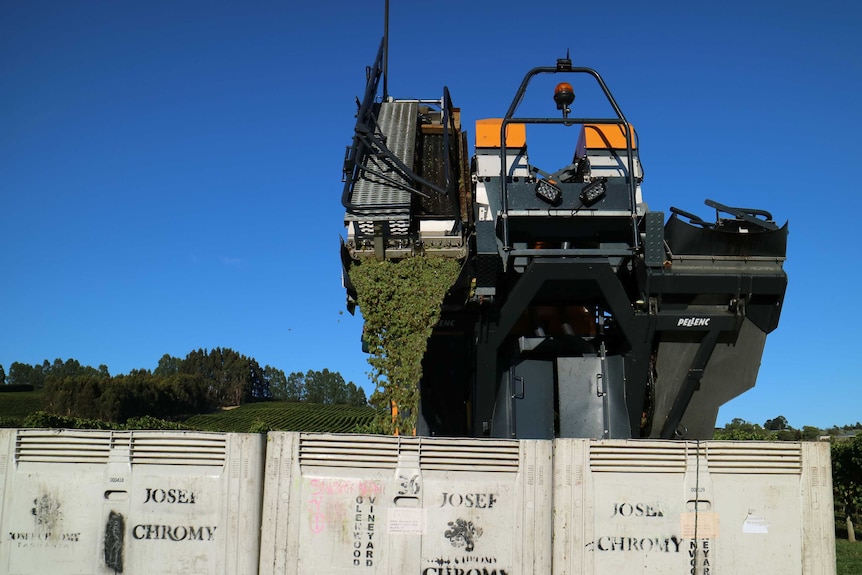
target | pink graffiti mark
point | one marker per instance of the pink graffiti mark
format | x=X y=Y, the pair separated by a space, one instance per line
x=325 y=488
x=345 y=487
x=318 y=523
x=370 y=488
x=317 y=518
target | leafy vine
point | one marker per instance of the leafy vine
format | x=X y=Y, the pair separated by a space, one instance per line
x=400 y=302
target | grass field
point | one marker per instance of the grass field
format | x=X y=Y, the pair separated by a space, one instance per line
x=848 y=557
x=284 y=416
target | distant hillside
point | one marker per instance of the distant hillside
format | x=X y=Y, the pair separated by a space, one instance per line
x=284 y=416
x=254 y=417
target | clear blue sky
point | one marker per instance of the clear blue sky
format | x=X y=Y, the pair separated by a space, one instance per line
x=170 y=171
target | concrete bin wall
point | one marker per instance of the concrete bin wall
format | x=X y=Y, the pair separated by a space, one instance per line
x=363 y=504
x=133 y=502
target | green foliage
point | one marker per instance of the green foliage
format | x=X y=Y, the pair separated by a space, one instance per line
x=400 y=303
x=773 y=430
x=23 y=374
x=847 y=479
x=11 y=422
x=789 y=434
x=41 y=419
x=370 y=428
x=260 y=427
x=168 y=366
x=848 y=557
x=232 y=378
x=119 y=398
x=2 y=376
x=281 y=387
x=149 y=422
x=319 y=387
x=777 y=424
x=739 y=430
x=284 y=416
x=53 y=421
x=40 y=375
x=204 y=381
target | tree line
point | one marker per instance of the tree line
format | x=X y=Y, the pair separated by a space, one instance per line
x=202 y=381
x=779 y=429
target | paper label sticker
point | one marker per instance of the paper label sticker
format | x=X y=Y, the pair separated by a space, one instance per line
x=755 y=524
x=408 y=521
x=702 y=525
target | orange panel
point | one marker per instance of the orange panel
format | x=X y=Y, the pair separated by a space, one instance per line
x=605 y=136
x=488 y=134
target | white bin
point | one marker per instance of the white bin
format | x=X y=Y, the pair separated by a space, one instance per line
x=139 y=502
x=388 y=505
x=706 y=508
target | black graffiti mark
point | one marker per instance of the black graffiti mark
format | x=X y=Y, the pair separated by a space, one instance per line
x=463 y=533
x=115 y=530
x=46 y=512
x=409 y=486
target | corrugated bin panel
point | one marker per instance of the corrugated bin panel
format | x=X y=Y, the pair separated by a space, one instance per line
x=133 y=502
x=371 y=504
x=692 y=507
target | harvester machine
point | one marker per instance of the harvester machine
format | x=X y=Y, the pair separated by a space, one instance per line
x=578 y=312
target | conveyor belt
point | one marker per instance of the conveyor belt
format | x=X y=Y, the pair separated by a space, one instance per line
x=373 y=196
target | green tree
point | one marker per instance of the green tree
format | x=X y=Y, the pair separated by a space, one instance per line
x=317 y=387
x=324 y=386
x=739 y=429
x=847 y=480
x=356 y=395
x=231 y=377
x=113 y=402
x=23 y=374
x=811 y=433
x=776 y=424
x=58 y=397
x=2 y=376
x=296 y=385
x=60 y=370
x=168 y=366
x=789 y=434
x=280 y=387
x=259 y=383
x=87 y=389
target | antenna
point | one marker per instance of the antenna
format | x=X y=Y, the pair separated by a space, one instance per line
x=563 y=64
x=386 y=51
